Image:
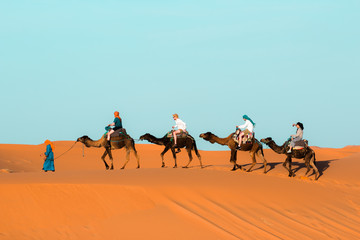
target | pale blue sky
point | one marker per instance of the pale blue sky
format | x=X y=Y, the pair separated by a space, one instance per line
x=66 y=66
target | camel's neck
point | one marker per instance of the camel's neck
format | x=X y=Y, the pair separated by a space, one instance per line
x=97 y=143
x=221 y=141
x=155 y=140
x=276 y=148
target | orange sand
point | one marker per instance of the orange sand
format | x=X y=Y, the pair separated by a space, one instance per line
x=82 y=200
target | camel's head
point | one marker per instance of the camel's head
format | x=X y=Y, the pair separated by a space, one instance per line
x=266 y=140
x=144 y=137
x=83 y=139
x=207 y=136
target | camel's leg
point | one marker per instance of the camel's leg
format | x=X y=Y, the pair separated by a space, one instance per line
x=103 y=158
x=190 y=157
x=260 y=154
x=288 y=160
x=313 y=165
x=162 y=155
x=233 y=158
x=127 y=158
x=252 y=155
x=308 y=167
x=311 y=162
x=237 y=165
x=111 y=158
x=174 y=156
x=198 y=154
x=199 y=157
x=136 y=155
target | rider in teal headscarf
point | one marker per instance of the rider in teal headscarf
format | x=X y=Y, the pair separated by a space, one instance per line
x=247 y=118
x=248 y=129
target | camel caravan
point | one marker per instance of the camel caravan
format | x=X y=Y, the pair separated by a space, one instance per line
x=243 y=139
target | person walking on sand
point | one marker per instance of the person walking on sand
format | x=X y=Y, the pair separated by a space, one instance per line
x=296 y=137
x=179 y=127
x=248 y=127
x=49 y=157
x=117 y=123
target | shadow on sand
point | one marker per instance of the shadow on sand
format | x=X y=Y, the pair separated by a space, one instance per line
x=270 y=166
x=321 y=165
x=296 y=166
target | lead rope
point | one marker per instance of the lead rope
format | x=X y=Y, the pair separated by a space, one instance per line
x=66 y=151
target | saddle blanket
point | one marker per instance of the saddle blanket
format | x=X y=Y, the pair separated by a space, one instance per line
x=247 y=138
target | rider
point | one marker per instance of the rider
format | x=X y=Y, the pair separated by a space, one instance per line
x=249 y=129
x=180 y=125
x=298 y=136
x=117 y=124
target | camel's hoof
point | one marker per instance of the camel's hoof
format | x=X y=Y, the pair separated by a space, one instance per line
x=241 y=168
x=138 y=167
x=185 y=167
x=122 y=168
x=174 y=166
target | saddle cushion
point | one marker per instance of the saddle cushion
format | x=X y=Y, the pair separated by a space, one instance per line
x=301 y=144
x=179 y=135
x=118 y=132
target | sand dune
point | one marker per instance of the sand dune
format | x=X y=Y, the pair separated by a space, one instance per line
x=82 y=200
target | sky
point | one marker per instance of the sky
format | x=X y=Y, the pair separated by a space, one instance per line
x=66 y=66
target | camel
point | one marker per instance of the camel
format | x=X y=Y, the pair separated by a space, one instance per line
x=118 y=142
x=305 y=153
x=188 y=142
x=254 y=148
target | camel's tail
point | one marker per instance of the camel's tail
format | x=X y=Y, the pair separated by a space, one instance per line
x=194 y=147
x=133 y=142
x=261 y=148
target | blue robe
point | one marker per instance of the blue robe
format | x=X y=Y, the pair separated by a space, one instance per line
x=49 y=161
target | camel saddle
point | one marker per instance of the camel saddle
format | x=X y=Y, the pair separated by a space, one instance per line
x=179 y=135
x=118 y=132
x=247 y=138
x=301 y=144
